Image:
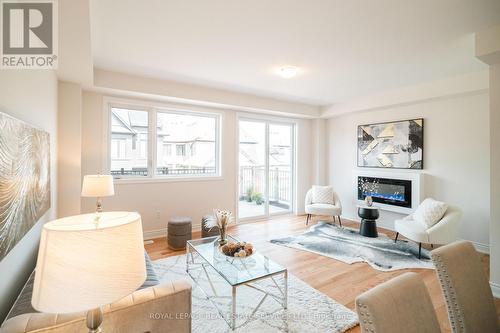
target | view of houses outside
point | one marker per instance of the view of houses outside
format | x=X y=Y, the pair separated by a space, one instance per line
x=129 y=142
x=252 y=173
x=186 y=144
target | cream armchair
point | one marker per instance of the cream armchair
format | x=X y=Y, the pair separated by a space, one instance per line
x=443 y=232
x=312 y=208
x=465 y=285
x=161 y=308
x=402 y=304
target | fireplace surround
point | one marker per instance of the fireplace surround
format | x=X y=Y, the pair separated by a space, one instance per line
x=399 y=192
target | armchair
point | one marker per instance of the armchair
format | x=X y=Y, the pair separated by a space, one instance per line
x=312 y=208
x=161 y=308
x=443 y=232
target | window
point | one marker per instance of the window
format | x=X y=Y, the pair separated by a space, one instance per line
x=129 y=141
x=181 y=150
x=186 y=143
x=184 y=130
x=167 y=149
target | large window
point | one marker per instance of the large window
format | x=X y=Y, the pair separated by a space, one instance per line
x=181 y=144
x=185 y=132
x=129 y=142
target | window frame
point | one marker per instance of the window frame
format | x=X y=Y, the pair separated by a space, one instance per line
x=153 y=108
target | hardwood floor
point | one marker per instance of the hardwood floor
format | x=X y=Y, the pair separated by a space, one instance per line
x=342 y=282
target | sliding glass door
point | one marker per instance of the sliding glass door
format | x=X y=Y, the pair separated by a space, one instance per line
x=280 y=172
x=266 y=170
x=252 y=173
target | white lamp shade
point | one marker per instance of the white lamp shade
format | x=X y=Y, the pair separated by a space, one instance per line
x=97 y=186
x=82 y=266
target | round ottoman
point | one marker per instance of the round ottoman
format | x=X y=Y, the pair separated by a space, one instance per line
x=208 y=232
x=179 y=232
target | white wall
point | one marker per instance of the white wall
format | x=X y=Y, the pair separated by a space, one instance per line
x=156 y=202
x=456 y=157
x=69 y=153
x=30 y=96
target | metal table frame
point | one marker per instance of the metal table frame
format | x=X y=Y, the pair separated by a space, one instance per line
x=192 y=264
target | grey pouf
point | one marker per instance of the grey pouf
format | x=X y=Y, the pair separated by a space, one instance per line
x=179 y=232
x=208 y=232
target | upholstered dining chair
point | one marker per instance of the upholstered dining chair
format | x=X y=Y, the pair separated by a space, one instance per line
x=443 y=232
x=466 y=289
x=401 y=304
x=331 y=206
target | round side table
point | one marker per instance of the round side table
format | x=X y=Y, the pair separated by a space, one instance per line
x=369 y=216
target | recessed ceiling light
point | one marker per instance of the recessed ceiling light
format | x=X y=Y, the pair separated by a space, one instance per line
x=287 y=72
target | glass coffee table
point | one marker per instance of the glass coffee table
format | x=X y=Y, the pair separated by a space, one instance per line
x=203 y=255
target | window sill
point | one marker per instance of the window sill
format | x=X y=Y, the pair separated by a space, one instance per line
x=149 y=180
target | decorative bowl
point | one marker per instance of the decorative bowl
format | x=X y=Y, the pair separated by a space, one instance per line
x=239 y=250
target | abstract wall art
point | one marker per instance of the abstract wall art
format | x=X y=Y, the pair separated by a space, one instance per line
x=398 y=144
x=24 y=179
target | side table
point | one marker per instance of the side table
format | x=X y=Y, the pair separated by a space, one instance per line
x=369 y=216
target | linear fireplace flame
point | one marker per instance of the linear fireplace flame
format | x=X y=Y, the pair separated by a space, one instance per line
x=396 y=192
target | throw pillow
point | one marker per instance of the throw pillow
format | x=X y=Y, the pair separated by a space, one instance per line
x=430 y=212
x=151 y=277
x=322 y=194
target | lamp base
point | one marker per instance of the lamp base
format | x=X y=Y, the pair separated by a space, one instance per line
x=98 y=204
x=94 y=320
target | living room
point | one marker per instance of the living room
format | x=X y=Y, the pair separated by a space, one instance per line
x=221 y=166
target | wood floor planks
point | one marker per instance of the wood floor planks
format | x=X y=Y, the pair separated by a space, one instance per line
x=342 y=282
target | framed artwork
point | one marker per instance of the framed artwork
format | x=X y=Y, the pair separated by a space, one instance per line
x=24 y=179
x=398 y=145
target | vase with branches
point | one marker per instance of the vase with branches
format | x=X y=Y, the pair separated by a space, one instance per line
x=222 y=219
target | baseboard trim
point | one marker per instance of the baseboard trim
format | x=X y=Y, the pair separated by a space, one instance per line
x=480 y=247
x=495 y=289
x=151 y=234
x=159 y=233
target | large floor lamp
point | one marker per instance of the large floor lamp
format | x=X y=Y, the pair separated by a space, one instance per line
x=82 y=265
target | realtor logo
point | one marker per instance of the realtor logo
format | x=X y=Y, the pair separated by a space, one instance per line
x=29 y=34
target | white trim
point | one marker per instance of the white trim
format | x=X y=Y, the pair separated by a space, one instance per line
x=164 y=179
x=152 y=234
x=480 y=247
x=163 y=232
x=266 y=162
x=153 y=108
x=266 y=118
x=495 y=289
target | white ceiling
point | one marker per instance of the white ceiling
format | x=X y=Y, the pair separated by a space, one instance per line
x=345 y=48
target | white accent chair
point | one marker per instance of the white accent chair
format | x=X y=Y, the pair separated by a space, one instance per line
x=443 y=232
x=322 y=208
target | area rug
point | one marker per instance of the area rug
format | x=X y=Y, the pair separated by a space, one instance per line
x=308 y=309
x=347 y=245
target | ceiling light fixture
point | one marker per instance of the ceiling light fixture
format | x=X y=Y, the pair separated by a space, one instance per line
x=287 y=72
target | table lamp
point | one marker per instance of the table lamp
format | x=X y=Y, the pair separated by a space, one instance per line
x=98 y=186
x=82 y=266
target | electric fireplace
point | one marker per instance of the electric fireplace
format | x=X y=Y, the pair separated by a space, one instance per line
x=396 y=192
